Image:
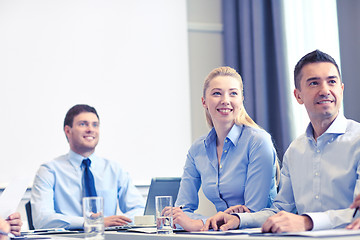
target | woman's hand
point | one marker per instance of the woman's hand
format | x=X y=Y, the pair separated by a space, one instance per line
x=184 y=220
x=237 y=209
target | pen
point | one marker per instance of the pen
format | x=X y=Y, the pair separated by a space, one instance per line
x=356 y=209
x=181 y=206
x=7 y=234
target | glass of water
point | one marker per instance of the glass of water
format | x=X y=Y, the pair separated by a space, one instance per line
x=164 y=215
x=93 y=211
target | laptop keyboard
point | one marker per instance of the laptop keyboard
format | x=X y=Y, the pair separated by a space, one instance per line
x=117 y=228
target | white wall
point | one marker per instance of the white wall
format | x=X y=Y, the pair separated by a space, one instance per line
x=308 y=26
x=205 y=52
x=128 y=59
x=349 y=36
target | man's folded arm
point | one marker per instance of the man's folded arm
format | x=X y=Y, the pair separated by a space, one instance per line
x=57 y=220
x=254 y=220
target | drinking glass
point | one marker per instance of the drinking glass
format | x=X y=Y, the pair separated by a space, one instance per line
x=93 y=211
x=164 y=215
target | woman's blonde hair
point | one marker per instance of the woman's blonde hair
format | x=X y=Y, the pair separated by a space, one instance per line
x=243 y=117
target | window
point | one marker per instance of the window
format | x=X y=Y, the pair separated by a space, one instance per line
x=309 y=25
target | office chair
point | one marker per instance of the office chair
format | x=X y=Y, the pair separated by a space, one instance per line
x=29 y=215
x=278 y=174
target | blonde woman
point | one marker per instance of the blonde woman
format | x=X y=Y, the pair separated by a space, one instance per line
x=235 y=163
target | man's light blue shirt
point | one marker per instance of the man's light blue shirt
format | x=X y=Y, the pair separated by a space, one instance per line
x=56 y=196
x=246 y=174
x=318 y=178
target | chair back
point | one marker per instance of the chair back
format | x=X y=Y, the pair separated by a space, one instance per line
x=29 y=215
x=278 y=174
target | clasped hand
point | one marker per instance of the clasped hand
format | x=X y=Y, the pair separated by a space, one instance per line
x=281 y=222
x=224 y=221
x=287 y=222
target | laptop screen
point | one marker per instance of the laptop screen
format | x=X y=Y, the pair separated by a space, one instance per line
x=161 y=187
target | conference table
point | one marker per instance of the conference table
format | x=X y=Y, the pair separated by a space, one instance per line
x=114 y=235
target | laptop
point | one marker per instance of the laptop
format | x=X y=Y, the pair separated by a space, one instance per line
x=160 y=186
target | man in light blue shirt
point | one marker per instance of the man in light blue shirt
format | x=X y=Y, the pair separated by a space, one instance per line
x=56 y=196
x=321 y=168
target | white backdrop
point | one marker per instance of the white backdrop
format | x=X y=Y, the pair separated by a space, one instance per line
x=128 y=59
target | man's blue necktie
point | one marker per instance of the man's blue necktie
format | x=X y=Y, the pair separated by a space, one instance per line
x=88 y=179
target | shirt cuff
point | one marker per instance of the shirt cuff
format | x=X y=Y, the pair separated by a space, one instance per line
x=320 y=220
x=254 y=220
x=76 y=223
x=246 y=220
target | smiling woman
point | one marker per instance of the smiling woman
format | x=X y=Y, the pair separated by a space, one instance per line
x=234 y=164
x=232 y=78
x=223 y=101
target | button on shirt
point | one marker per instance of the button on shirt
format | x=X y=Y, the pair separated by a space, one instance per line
x=246 y=174
x=57 y=192
x=319 y=178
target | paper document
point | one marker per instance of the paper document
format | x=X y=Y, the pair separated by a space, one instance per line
x=315 y=234
x=148 y=230
x=48 y=231
x=142 y=230
x=230 y=232
x=12 y=195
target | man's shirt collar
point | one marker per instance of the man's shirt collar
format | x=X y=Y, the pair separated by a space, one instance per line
x=76 y=159
x=338 y=126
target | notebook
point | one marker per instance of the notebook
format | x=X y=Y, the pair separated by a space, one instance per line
x=161 y=186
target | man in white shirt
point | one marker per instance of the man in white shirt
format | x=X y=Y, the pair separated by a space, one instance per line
x=319 y=177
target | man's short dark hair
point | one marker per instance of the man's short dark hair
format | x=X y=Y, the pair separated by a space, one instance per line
x=76 y=110
x=312 y=57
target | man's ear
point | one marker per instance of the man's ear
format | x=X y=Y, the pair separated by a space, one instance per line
x=297 y=94
x=67 y=130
